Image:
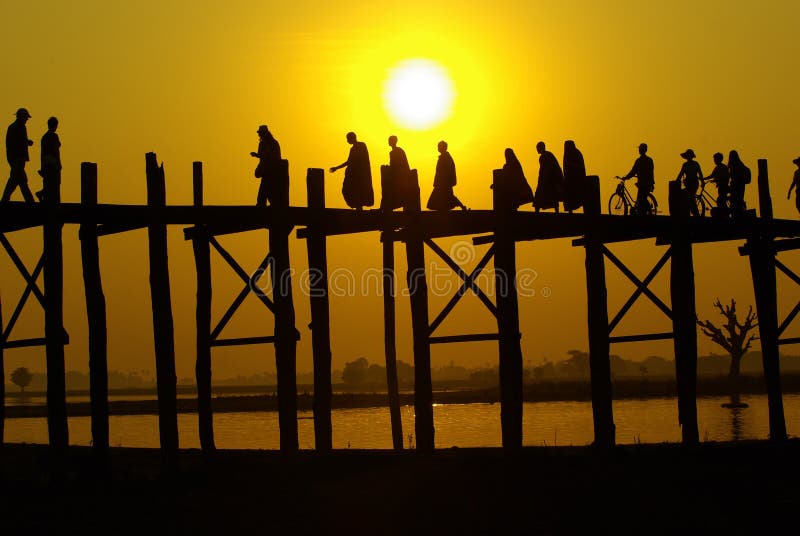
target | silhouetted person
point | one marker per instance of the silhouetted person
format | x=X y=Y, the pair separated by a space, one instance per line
x=51 y=160
x=269 y=161
x=740 y=178
x=17 y=144
x=574 y=177
x=643 y=171
x=442 y=196
x=795 y=185
x=515 y=189
x=549 y=189
x=397 y=190
x=357 y=185
x=692 y=175
x=721 y=178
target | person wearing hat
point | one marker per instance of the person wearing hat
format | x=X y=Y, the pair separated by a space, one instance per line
x=643 y=171
x=692 y=175
x=795 y=185
x=269 y=160
x=17 y=144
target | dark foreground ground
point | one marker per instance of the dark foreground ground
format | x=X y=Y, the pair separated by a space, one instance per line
x=745 y=488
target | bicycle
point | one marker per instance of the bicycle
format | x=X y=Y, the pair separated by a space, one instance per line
x=621 y=203
x=704 y=201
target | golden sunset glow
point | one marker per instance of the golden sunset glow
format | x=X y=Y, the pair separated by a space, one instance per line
x=418 y=94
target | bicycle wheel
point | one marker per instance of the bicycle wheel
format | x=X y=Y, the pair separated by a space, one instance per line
x=617 y=205
x=653 y=205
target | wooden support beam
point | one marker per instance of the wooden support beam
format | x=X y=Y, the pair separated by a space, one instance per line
x=642 y=338
x=2 y=379
x=320 y=314
x=639 y=290
x=788 y=320
x=640 y=285
x=106 y=229
x=789 y=340
x=474 y=337
x=787 y=272
x=243 y=341
x=29 y=278
x=54 y=318
x=285 y=332
x=248 y=280
x=95 y=313
x=762 y=268
x=599 y=328
x=510 y=352
x=389 y=340
x=202 y=369
x=163 y=330
x=25 y=343
x=418 y=295
x=684 y=321
x=24 y=299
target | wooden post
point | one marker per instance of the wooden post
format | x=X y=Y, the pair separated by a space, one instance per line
x=95 y=311
x=389 y=339
x=202 y=370
x=285 y=332
x=684 y=322
x=316 y=243
x=163 y=331
x=418 y=294
x=2 y=378
x=597 y=308
x=762 y=268
x=510 y=368
x=54 y=317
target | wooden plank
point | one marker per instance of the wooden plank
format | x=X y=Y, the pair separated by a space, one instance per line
x=163 y=329
x=599 y=328
x=202 y=370
x=107 y=229
x=475 y=337
x=54 y=319
x=418 y=296
x=96 y=315
x=789 y=340
x=25 y=343
x=320 y=315
x=787 y=272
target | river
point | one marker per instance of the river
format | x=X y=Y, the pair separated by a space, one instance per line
x=459 y=425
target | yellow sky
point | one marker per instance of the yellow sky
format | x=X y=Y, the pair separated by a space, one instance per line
x=193 y=80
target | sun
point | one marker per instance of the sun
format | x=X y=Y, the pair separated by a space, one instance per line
x=418 y=94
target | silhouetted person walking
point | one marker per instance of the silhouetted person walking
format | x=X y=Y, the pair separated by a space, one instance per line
x=574 y=177
x=795 y=185
x=51 y=161
x=643 y=171
x=515 y=190
x=17 y=144
x=396 y=191
x=442 y=196
x=740 y=178
x=721 y=178
x=269 y=161
x=357 y=185
x=692 y=175
x=549 y=189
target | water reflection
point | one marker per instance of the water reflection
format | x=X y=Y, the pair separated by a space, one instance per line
x=461 y=425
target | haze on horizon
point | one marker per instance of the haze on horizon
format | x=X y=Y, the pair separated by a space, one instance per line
x=192 y=81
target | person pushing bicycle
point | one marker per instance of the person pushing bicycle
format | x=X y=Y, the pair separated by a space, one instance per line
x=643 y=171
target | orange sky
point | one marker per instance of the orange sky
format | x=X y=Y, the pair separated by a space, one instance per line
x=193 y=80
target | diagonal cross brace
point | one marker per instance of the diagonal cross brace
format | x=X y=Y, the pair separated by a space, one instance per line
x=241 y=273
x=23 y=299
x=468 y=282
x=794 y=277
x=29 y=279
x=641 y=286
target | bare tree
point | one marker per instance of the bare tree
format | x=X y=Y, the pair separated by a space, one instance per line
x=735 y=338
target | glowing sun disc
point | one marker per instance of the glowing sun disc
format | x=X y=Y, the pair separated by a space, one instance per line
x=418 y=94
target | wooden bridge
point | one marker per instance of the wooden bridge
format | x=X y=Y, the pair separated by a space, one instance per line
x=762 y=239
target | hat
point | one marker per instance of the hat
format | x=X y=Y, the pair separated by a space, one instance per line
x=262 y=128
x=22 y=112
x=688 y=154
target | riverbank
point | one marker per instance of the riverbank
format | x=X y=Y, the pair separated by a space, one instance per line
x=545 y=391
x=731 y=488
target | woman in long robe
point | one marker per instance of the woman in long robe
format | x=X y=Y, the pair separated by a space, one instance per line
x=515 y=187
x=574 y=177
